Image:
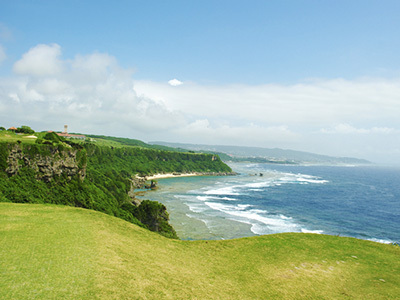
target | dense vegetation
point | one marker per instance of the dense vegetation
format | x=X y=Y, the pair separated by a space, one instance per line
x=107 y=181
x=136 y=160
x=25 y=129
x=59 y=252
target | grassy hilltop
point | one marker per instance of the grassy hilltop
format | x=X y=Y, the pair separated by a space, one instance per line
x=59 y=252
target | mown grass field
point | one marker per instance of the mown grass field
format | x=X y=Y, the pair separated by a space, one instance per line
x=57 y=252
x=103 y=141
x=9 y=136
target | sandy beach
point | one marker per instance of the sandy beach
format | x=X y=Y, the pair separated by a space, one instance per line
x=170 y=175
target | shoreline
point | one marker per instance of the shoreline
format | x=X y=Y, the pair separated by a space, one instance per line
x=174 y=175
x=170 y=175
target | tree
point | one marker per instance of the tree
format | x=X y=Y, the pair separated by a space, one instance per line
x=25 y=129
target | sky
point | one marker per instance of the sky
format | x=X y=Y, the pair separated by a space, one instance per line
x=316 y=76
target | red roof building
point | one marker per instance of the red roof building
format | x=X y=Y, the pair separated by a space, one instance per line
x=74 y=136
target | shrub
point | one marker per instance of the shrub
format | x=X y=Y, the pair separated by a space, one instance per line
x=25 y=129
x=54 y=137
x=155 y=216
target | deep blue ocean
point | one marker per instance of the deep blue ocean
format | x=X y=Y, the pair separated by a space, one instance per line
x=361 y=202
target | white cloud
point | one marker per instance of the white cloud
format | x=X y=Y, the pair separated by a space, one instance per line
x=348 y=129
x=3 y=55
x=316 y=103
x=94 y=94
x=41 y=60
x=14 y=97
x=202 y=131
x=175 y=82
x=290 y=116
x=91 y=92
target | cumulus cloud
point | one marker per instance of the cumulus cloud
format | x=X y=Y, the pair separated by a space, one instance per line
x=90 y=92
x=3 y=55
x=175 y=82
x=314 y=103
x=290 y=116
x=41 y=60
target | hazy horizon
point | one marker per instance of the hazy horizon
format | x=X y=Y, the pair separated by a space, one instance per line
x=320 y=77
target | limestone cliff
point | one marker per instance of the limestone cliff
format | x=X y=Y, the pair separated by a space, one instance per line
x=47 y=161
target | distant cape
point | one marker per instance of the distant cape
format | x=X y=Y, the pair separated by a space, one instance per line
x=270 y=154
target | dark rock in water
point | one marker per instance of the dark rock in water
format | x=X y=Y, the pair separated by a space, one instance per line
x=153 y=184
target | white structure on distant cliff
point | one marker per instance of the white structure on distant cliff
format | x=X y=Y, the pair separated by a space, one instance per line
x=68 y=136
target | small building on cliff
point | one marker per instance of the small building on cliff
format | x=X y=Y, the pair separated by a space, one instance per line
x=65 y=134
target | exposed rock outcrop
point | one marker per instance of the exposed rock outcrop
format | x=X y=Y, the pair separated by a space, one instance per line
x=55 y=162
x=136 y=183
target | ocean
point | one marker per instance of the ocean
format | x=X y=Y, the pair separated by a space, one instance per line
x=354 y=201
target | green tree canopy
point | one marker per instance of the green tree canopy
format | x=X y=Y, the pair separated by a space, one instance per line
x=25 y=129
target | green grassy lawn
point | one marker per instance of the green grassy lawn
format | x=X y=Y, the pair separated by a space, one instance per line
x=57 y=252
x=9 y=136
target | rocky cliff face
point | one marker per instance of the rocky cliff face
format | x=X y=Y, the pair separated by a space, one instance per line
x=47 y=164
x=136 y=183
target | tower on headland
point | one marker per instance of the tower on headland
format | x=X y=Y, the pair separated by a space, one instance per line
x=65 y=134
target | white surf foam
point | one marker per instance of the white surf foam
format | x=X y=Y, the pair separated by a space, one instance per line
x=260 y=221
x=228 y=190
x=258 y=229
x=221 y=197
x=301 y=179
x=207 y=198
x=228 y=198
x=244 y=206
x=303 y=230
x=382 y=241
x=285 y=218
x=258 y=184
x=196 y=207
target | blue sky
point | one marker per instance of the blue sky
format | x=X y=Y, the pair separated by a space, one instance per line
x=319 y=76
x=249 y=42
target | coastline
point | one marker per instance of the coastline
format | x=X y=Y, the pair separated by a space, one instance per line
x=173 y=175
x=170 y=175
x=206 y=207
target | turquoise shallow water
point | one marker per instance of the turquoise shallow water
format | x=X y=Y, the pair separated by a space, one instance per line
x=362 y=202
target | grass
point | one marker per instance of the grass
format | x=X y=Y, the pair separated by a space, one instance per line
x=102 y=141
x=9 y=136
x=57 y=252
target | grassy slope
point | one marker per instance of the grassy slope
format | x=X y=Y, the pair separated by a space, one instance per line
x=57 y=252
x=7 y=136
x=99 y=140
